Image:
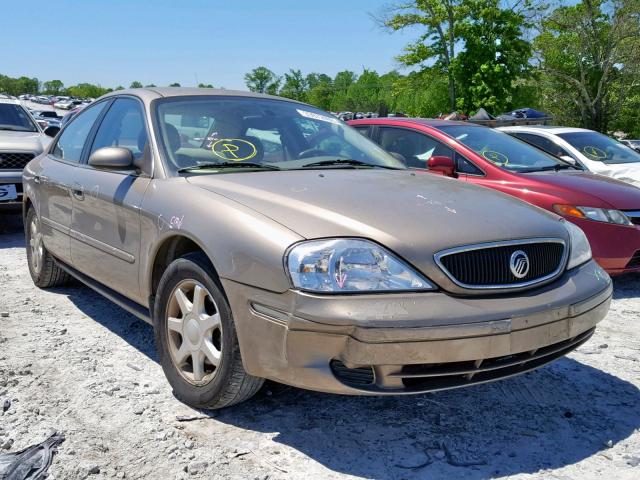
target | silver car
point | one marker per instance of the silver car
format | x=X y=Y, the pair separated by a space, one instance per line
x=264 y=238
x=21 y=139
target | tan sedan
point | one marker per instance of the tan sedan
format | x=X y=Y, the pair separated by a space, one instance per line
x=264 y=238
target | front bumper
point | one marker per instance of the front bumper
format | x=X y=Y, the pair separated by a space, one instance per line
x=410 y=343
x=615 y=247
x=12 y=177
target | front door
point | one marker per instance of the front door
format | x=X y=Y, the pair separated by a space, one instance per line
x=105 y=243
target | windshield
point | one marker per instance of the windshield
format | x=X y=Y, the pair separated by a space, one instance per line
x=14 y=117
x=503 y=150
x=253 y=132
x=600 y=148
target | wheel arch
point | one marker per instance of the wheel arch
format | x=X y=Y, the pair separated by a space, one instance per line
x=169 y=249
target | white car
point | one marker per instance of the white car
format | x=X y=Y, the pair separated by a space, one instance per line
x=592 y=150
x=67 y=104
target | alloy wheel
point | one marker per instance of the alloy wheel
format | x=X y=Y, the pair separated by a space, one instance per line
x=194 y=332
x=36 y=245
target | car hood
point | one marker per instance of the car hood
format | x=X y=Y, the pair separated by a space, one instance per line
x=600 y=191
x=625 y=172
x=414 y=215
x=23 y=141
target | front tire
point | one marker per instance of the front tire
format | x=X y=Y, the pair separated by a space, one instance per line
x=196 y=337
x=43 y=268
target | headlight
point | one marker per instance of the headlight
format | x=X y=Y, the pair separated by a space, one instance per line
x=350 y=265
x=592 y=213
x=579 y=248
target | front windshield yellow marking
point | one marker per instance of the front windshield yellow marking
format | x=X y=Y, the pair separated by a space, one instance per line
x=495 y=157
x=594 y=152
x=234 y=149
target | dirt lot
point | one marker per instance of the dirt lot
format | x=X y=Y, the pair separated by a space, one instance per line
x=73 y=362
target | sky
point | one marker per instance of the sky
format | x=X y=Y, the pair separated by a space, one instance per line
x=114 y=42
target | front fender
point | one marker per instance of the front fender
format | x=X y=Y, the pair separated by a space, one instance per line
x=242 y=244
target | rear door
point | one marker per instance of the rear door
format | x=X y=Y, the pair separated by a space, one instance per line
x=55 y=180
x=105 y=242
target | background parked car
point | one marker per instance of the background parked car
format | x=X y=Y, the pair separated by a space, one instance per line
x=594 y=151
x=21 y=139
x=67 y=104
x=635 y=144
x=607 y=210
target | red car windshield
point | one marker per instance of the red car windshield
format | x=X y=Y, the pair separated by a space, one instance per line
x=503 y=150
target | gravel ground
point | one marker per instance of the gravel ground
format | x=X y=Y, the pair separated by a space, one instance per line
x=73 y=362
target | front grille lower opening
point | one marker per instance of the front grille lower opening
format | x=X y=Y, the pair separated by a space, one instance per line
x=424 y=377
x=355 y=377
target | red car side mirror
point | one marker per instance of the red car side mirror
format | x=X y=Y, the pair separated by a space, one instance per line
x=442 y=164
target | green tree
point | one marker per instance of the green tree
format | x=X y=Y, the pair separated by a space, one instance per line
x=86 y=90
x=151 y=85
x=494 y=55
x=589 y=56
x=53 y=87
x=422 y=94
x=363 y=94
x=295 y=86
x=320 y=90
x=341 y=83
x=436 y=45
x=18 y=86
x=135 y=84
x=174 y=84
x=119 y=87
x=205 y=85
x=262 y=80
x=444 y=26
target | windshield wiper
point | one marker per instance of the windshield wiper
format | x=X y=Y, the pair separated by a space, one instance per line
x=220 y=165
x=557 y=167
x=347 y=162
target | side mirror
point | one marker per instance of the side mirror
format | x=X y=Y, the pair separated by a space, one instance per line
x=442 y=164
x=119 y=158
x=568 y=159
x=51 y=131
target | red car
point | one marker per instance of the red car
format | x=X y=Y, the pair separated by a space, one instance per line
x=607 y=210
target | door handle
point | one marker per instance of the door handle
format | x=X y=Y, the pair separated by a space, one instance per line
x=77 y=191
x=36 y=179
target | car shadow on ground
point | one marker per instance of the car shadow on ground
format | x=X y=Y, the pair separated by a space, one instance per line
x=550 y=418
x=11 y=230
x=626 y=286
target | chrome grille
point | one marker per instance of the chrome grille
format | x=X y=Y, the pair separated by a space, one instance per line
x=487 y=266
x=14 y=160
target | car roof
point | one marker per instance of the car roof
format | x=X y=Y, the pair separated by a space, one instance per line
x=542 y=128
x=429 y=122
x=148 y=94
x=9 y=100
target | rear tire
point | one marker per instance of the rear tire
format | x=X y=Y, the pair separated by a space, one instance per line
x=196 y=337
x=43 y=268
